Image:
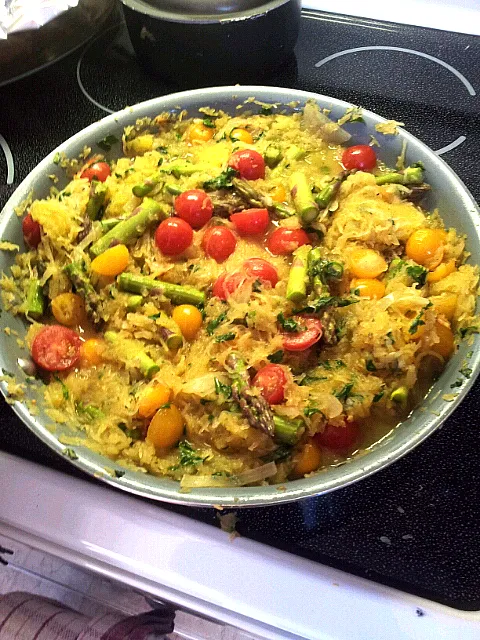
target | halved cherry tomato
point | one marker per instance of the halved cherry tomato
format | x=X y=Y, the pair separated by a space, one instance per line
x=227 y=283
x=360 y=156
x=249 y=164
x=251 y=222
x=260 y=269
x=338 y=438
x=284 y=241
x=219 y=243
x=241 y=135
x=31 y=231
x=97 y=171
x=173 y=236
x=310 y=332
x=271 y=380
x=56 y=348
x=195 y=207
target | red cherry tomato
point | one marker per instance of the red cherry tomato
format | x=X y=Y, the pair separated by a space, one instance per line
x=227 y=283
x=257 y=268
x=310 y=332
x=249 y=164
x=360 y=156
x=31 y=231
x=56 y=348
x=173 y=236
x=271 y=380
x=284 y=241
x=97 y=171
x=338 y=438
x=195 y=207
x=219 y=243
x=251 y=222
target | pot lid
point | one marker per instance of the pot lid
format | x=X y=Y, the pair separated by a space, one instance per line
x=184 y=10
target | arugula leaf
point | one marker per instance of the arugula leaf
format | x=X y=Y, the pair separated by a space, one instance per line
x=223 y=389
x=223 y=181
x=418 y=274
x=289 y=324
x=226 y=337
x=213 y=324
x=107 y=142
x=276 y=357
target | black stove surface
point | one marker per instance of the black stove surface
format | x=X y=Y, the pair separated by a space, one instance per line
x=413 y=526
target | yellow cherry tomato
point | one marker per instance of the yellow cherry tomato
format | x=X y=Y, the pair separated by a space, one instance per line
x=278 y=193
x=153 y=397
x=368 y=288
x=112 y=261
x=309 y=459
x=68 y=309
x=442 y=271
x=91 y=352
x=445 y=304
x=198 y=133
x=426 y=247
x=367 y=263
x=241 y=135
x=166 y=427
x=189 y=319
x=446 y=343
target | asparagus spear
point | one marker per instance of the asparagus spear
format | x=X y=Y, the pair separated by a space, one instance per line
x=329 y=191
x=80 y=280
x=35 y=302
x=134 y=302
x=298 y=277
x=173 y=189
x=272 y=156
x=287 y=431
x=182 y=168
x=251 y=195
x=400 y=396
x=410 y=175
x=144 y=188
x=178 y=294
x=169 y=331
x=131 y=228
x=109 y=223
x=283 y=211
x=98 y=192
x=305 y=206
x=255 y=408
x=130 y=350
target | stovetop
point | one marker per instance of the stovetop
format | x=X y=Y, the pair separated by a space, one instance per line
x=414 y=525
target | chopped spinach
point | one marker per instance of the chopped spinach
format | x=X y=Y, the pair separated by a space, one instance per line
x=276 y=357
x=208 y=122
x=226 y=337
x=418 y=274
x=345 y=392
x=466 y=372
x=311 y=411
x=281 y=453
x=223 y=181
x=378 y=396
x=289 y=324
x=134 y=434
x=213 y=324
x=188 y=455
x=266 y=110
x=118 y=473
x=65 y=391
x=107 y=142
x=70 y=453
x=223 y=389
x=370 y=365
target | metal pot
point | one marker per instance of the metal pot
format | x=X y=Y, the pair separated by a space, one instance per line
x=449 y=194
x=195 y=42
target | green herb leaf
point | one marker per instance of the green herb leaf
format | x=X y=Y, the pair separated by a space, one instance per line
x=70 y=453
x=223 y=181
x=134 y=434
x=418 y=274
x=467 y=331
x=118 y=473
x=65 y=391
x=310 y=411
x=417 y=322
x=226 y=337
x=289 y=324
x=276 y=357
x=378 y=396
x=213 y=324
x=345 y=392
x=208 y=122
x=370 y=365
x=466 y=372
x=188 y=455
x=107 y=142
x=223 y=389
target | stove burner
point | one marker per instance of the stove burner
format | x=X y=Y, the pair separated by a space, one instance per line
x=460 y=139
x=9 y=160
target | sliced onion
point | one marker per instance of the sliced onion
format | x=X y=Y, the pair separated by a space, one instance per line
x=248 y=477
x=320 y=125
x=203 y=386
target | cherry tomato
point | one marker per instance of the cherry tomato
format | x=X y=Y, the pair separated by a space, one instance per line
x=338 y=438
x=310 y=332
x=173 y=236
x=251 y=222
x=219 y=243
x=195 y=207
x=284 y=241
x=96 y=171
x=271 y=380
x=56 y=348
x=360 y=156
x=260 y=269
x=31 y=231
x=227 y=283
x=249 y=164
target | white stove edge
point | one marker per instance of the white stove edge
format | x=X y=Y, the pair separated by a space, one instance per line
x=243 y=583
x=462 y=16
